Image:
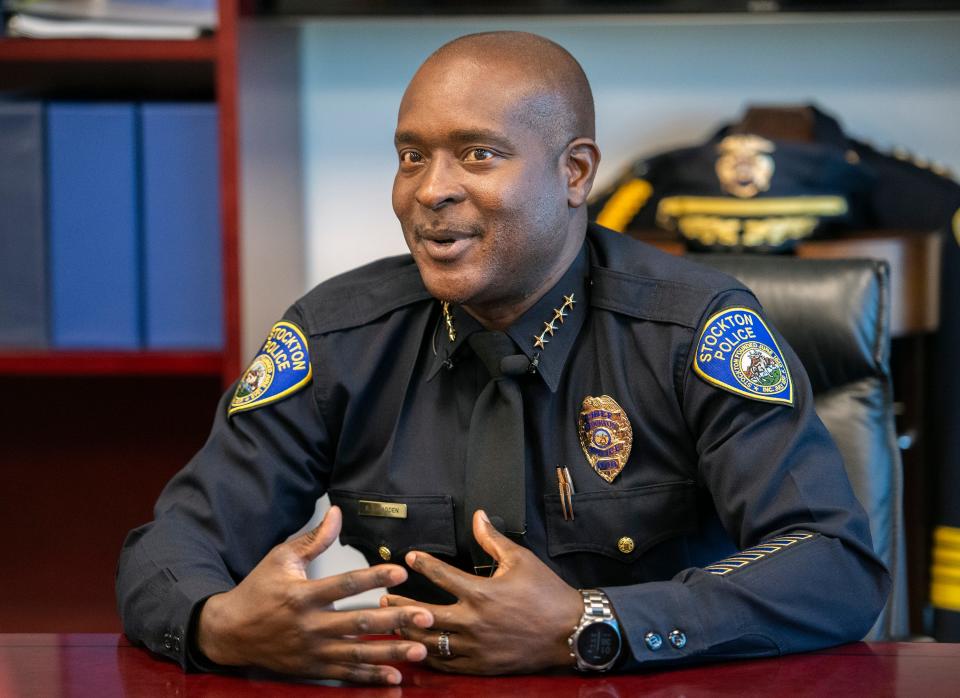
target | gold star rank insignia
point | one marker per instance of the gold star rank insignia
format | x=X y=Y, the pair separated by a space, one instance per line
x=549 y=328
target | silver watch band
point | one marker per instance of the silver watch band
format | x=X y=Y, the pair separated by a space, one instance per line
x=596 y=604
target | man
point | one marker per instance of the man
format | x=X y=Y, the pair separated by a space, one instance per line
x=566 y=409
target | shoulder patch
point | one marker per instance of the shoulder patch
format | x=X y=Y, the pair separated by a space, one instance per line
x=280 y=368
x=737 y=352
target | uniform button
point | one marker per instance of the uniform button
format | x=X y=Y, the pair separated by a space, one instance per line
x=625 y=545
x=678 y=639
x=167 y=641
x=384 y=552
x=653 y=641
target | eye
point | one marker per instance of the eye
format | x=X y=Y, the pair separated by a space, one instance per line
x=478 y=154
x=410 y=157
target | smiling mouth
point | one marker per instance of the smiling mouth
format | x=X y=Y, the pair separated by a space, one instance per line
x=445 y=245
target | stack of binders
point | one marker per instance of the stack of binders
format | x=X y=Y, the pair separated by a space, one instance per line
x=113 y=240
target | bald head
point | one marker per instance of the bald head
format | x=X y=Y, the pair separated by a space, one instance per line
x=554 y=96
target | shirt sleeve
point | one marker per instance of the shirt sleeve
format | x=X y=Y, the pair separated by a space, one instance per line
x=806 y=577
x=254 y=482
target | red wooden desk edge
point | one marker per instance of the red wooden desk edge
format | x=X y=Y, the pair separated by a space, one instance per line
x=933 y=649
x=108 y=664
x=882 y=649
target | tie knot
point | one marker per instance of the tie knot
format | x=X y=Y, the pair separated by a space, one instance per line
x=498 y=353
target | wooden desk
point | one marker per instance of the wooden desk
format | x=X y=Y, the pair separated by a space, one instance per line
x=105 y=665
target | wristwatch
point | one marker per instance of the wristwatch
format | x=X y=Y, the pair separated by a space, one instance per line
x=595 y=642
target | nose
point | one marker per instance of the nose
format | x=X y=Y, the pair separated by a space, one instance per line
x=439 y=185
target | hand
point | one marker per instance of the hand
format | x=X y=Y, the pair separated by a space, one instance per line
x=278 y=619
x=516 y=621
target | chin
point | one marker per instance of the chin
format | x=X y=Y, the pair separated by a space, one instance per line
x=447 y=285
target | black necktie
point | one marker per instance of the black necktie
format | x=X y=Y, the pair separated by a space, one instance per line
x=495 y=449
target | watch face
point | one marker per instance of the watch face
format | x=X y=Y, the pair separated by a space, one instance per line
x=598 y=644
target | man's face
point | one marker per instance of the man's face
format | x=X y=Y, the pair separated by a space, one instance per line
x=480 y=193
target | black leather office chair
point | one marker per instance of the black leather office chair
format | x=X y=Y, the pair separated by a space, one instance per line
x=835 y=314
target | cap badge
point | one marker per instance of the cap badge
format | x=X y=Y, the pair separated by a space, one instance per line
x=606 y=436
x=744 y=167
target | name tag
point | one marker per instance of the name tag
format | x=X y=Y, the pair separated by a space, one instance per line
x=390 y=510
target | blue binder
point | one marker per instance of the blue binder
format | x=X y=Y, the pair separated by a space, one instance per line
x=94 y=226
x=23 y=277
x=181 y=224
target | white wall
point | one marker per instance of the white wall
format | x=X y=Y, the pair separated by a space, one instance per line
x=272 y=271
x=658 y=82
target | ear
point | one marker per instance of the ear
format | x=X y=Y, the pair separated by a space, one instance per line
x=581 y=158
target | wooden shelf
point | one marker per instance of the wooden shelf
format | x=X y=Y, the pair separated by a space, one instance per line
x=111 y=363
x=107 y=50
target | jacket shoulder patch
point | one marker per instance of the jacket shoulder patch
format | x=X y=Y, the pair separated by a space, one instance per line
x=737 y=352
x=280 y=368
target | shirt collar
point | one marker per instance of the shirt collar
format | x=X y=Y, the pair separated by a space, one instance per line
x=555 y=320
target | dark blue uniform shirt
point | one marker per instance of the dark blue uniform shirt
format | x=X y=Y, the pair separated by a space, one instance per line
x=386 y=415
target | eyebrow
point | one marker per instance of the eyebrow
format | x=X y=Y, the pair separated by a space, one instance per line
x=459 y=136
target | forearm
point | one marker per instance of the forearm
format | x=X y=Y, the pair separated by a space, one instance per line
x=814 y=593
x=157 y=595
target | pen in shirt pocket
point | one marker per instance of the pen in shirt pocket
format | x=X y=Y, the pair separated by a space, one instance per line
x=565 y=484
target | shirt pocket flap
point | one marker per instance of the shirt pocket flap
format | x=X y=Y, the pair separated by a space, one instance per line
x=388 y=526
x=621 y=524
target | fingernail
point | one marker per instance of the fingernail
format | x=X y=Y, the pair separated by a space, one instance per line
x=394 y=679
x=417 y=653
x=483 y=515
x=423 y=620
x=384 y=602
x=411 y=558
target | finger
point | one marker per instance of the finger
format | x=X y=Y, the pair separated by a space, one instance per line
x=454 y=665
x=445 y=576
x=358 y=673
x=461 y=645
x=497 y=545
x=373 y=621
x=372 y=651
x=326 y=590
x=449 y=616
x=318 y=539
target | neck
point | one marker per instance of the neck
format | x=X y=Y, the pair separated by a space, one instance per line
x=501 y=315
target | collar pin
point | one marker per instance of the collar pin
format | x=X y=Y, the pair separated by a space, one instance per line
x=448 y=319
x=540 y=340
